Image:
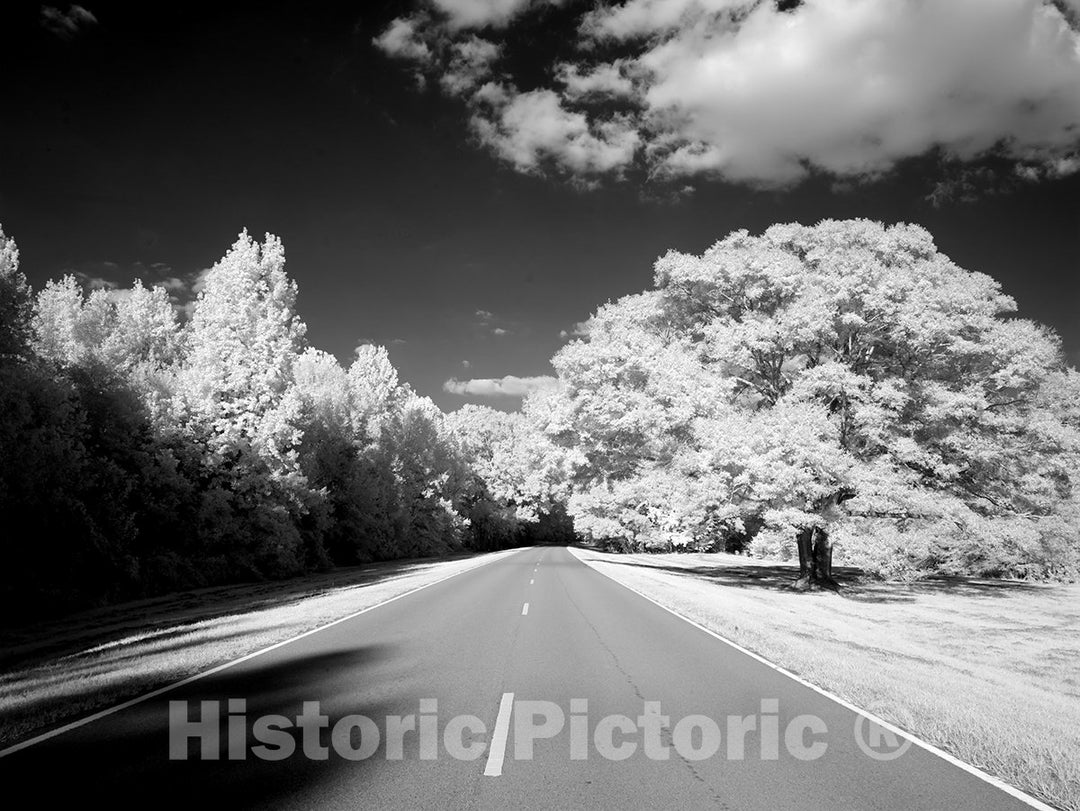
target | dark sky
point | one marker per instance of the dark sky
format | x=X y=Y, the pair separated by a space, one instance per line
x=140 y=144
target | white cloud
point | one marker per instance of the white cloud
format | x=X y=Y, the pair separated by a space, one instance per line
x=402 y=40
x=480 y=13
x=578 y=330
x=91 y=281
x=648 y=18
x=492 y=94
x=66 y=24
x=852 y=86
x=488 y=322
x=528 y=127
x=508 y=386
x=602 y=80
x=741 y=90
x=470 y=65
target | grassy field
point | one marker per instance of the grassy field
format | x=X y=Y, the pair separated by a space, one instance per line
x=55 y=672
x=986 y=670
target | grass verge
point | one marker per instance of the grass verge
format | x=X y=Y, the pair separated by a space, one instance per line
x=56 y=672
x=985 y=670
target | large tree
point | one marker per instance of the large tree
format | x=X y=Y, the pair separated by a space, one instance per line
x=813 y=373
x=238 y=402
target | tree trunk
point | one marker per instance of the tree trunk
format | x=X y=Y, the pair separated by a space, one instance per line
x=815 y=560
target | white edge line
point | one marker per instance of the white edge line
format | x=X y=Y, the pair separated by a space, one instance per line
x=89 y=719
x=996 y=782
x=493 y=768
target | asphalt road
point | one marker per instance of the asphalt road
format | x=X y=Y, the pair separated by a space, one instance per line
x=458 y=648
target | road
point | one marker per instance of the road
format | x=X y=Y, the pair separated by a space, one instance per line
x=459 y=648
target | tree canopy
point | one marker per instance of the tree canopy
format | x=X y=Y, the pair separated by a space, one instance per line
x=812 y=378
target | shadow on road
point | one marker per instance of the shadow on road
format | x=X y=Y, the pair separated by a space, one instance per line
x=123 y=760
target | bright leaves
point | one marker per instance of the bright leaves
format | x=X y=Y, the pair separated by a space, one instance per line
x=156 y=454
x=843 y=375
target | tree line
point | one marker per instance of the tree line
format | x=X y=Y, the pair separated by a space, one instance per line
x=838 y=392
x=142 y=452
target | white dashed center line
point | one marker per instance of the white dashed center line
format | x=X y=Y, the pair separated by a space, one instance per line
x=498 y=739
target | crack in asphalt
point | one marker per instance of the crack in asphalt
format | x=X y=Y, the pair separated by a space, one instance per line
x=665 y=732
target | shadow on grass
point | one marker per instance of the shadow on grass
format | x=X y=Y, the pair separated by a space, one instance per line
x=854 y=583
x=123 y=760
x=171 y=615
x=26 y=697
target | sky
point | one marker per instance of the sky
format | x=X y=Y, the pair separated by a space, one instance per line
x=463 y=181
